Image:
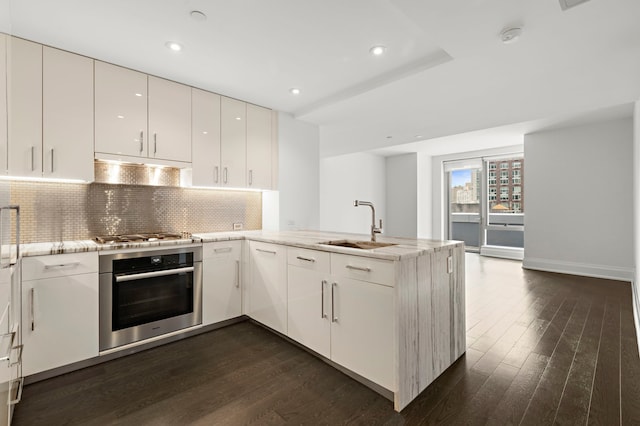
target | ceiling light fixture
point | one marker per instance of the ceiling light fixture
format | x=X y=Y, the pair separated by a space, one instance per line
x=510 y=35
x=377 y=50
x=198 y=16
x=176 y=47
x=294 y=91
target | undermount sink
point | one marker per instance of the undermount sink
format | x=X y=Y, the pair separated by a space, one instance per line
x=363 y=245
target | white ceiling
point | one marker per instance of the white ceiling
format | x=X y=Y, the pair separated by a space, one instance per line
x=445 y=71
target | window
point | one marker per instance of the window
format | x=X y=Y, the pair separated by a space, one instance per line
x=516 y=207
x=516 y=164
x=492 y=178
x=504 y=165
x=504 y=194
x=516 y=173
x=493 y=194
x=516 y=197
x=516 y=181
x=492 y=166
x=517 y=193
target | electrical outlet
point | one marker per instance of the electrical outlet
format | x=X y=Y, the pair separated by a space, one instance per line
x=237 y=226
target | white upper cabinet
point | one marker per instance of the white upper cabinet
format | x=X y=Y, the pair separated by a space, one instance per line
x=233 y=142
x=120 y=111
x=25 y=111
x=67 y=115
x=205 y=131
x=169 y=120
x=3 y=103
x=258 y=147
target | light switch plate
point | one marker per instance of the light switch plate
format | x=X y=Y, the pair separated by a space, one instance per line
x=237 y=226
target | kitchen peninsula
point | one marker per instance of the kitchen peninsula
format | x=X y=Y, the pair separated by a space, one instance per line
x=392 y=317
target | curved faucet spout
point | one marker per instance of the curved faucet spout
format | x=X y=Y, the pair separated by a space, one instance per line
x=374 y=230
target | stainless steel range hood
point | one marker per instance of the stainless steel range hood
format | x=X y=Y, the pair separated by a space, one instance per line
x=116 y=172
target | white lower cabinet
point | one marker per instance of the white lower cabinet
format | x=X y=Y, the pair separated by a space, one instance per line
x=348 y=320
x=308 y=299
x=267 y=290
x=60 y=310
x=221 y=281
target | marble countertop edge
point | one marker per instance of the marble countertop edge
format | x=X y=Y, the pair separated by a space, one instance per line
x=403 y=248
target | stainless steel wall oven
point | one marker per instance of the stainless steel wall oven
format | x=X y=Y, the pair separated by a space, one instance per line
x=145 y=294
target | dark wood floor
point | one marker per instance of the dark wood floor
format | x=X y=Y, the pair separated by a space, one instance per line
x=542 y=348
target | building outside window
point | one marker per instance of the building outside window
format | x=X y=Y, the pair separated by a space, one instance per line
x=504 y=165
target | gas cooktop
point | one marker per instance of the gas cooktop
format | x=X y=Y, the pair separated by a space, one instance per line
x=139 y=238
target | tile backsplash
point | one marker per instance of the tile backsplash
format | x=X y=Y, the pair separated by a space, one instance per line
x=68 y=211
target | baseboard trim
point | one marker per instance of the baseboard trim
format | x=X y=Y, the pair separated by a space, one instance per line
x=514 y=253
x=583 y=269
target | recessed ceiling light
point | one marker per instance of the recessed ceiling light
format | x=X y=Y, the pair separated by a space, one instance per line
x=294 y=91
x=238 y=118
x=138 y=94
x=389 y=137
x=176 y=47
x=418 y=136
x=198 y=16
x=377 y=50
x=510 y=35
x=204 y=133
x=120 y=116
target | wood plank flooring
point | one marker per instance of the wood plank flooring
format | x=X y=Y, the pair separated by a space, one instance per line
x=542 y=349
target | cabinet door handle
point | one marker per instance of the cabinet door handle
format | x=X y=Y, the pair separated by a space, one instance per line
x=266 y=251
x=141 y=140
x=222 y=250
x=237 y=274
x=306 y=259
x=334 y=318
x=19 y=395
x=32 y=294
x=51 y=160
x=19 y=348
x=322 y=284
x=358 y=268
x=225 y=175
x=155 y=143
x=216 y=174
x=33 y=158
x=250 y=177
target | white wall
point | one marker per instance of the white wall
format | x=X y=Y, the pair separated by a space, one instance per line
x=402 y=196
x=346 y=178
x=579 y=200
x=299 y=174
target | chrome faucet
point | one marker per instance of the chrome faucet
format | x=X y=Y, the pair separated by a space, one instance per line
x=374 y=230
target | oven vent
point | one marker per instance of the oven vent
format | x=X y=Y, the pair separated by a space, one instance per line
x=568 y=4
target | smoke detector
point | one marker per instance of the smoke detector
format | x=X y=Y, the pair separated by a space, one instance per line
x=568 y=4
x=510 y=34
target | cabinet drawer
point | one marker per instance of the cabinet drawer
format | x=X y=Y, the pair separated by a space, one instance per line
x=309 y=259
x=363 y=268
x=59 y=265
x=222 y=250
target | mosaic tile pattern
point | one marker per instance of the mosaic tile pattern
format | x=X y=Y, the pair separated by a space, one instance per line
x=65 y=211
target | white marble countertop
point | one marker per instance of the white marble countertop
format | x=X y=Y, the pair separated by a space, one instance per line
x=402 y=248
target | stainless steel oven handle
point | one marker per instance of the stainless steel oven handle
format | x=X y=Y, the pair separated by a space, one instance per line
x=133 y=277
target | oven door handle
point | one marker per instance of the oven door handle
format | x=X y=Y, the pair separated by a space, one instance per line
x=133 y=277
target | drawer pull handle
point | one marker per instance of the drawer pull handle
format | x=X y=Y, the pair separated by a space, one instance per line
x=19 y=395
x=61 y=265
x=217 y=174
x=223 y=250
x=306 y=259
x=266 y=251
x=358 y=268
